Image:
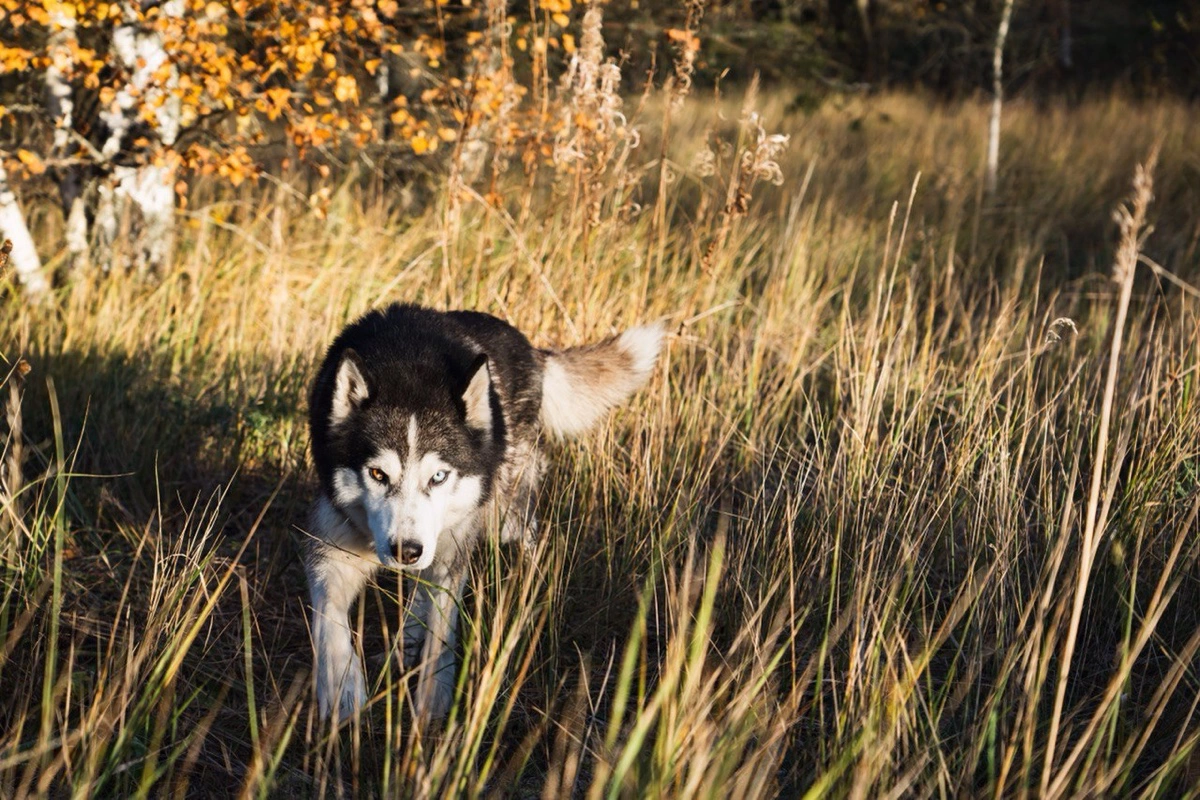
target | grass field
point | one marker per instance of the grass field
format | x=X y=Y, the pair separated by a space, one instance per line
x=910 y=507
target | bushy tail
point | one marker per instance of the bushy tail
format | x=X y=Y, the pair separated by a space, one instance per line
x=582 y=383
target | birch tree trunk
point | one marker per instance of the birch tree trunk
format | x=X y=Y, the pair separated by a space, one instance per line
x=864 y=18
x=60 y=104
x=24 y=256
x=993 y=146
x=1065 y=59
x=149 y=187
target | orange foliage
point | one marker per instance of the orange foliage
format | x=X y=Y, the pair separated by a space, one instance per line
x=314 y=74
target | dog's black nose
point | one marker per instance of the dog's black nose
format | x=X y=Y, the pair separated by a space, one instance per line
x=409 y=552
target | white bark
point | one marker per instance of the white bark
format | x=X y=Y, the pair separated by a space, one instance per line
x=864 y=18
x=24 y=256
x=993 y=146
x=150 y=187
x=60 y=104
x=1064 y=37
x=59 y=94
x=142 y=54
x=77 y=232
x=105 y=223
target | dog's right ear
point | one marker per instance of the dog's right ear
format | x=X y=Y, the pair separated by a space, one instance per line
x=350 y=388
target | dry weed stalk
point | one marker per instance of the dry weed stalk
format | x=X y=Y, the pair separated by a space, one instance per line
x=5 y=256
x=687 y=47
x=756 y=159
x=677 y=88
x=1131 y=221
x=11 y=478
x=592 y=129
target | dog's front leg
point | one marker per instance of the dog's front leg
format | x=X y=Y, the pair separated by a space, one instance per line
x=416 y=625
x=436 y=602
x=336 y=576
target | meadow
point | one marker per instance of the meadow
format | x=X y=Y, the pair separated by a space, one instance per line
x=909 y=509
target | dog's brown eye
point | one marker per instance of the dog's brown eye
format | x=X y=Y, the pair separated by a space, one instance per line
x=377 y=475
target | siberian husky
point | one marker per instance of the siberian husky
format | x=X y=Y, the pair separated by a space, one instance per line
x=426 y=435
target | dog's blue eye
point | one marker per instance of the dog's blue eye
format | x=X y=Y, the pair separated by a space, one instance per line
x=439 y=477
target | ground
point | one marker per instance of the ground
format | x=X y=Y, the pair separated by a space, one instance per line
x=867 y=530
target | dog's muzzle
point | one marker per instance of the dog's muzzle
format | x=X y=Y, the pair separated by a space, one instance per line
x=407 y=553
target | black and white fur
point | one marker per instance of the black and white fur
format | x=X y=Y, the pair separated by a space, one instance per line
x=426 y=430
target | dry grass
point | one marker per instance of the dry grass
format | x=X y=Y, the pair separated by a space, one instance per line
x=868 y=533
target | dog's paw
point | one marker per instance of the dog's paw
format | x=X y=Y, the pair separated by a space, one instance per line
x=436 y=697
x=353 y=695
x=343 y=697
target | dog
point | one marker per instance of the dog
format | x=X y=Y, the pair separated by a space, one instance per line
x=426 y=434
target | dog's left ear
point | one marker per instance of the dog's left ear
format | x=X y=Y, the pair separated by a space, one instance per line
x=478 y=395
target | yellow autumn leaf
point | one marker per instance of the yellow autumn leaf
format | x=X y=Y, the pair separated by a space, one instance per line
x=568 y=43
x=346 y=89
x=32 y=162
x=420 y=144
x=685 y=38
x=447 y=134
x=561 y=20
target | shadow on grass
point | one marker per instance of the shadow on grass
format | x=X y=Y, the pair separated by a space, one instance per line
x=158 y=460
x=157 y=463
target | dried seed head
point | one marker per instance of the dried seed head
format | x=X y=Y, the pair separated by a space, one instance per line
x=1131 y=219
x=760 y=163
x=1053 y=335
x=704 y=164
x=591 y=124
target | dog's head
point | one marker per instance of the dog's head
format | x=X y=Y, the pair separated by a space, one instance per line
x=411 y=450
